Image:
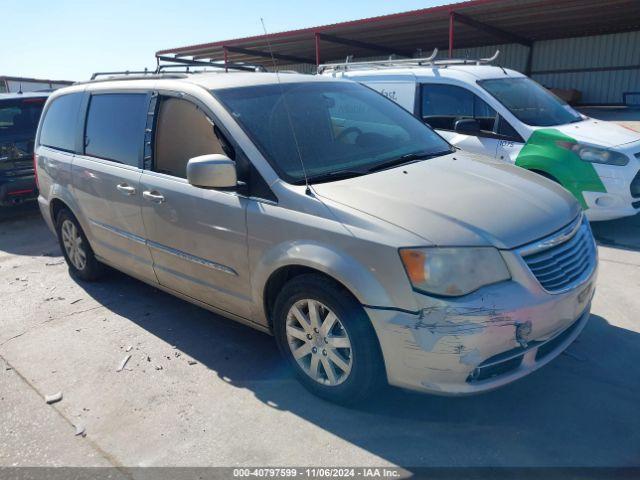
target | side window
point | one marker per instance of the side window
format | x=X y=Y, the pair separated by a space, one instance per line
x=115 y=127
x=59 y=126
x=506 y=130
x=183 y=131
x=444 y=105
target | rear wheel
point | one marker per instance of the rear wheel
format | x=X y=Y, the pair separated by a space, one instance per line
x=327 y=338
x=75 y=248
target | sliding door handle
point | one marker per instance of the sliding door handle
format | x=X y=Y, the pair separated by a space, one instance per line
x=126 y=189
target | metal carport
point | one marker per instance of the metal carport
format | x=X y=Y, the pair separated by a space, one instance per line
x=454 y=29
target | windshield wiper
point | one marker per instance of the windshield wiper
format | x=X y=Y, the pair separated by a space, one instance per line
x=407 y=158
x=338 y=175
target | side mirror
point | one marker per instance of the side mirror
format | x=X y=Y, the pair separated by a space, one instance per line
x=212 y=171
x=467 y=126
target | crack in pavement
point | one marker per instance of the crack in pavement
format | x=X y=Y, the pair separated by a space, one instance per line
x=105 y=455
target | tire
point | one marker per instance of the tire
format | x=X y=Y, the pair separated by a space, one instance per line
x=365 y=372
x=79 y=255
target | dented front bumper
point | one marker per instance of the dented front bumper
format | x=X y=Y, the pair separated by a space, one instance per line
x=480 y=341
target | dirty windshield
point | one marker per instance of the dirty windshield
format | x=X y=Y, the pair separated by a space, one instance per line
x=341 y=129
x=530 y=102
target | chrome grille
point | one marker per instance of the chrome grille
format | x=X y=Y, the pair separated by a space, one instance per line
x=563 y=260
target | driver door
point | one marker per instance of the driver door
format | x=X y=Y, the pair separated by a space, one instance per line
x=444 y=105
x=197 y=236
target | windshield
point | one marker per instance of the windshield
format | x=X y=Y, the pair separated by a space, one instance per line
x=18 y=125
x=341 y=128
x=530 y=102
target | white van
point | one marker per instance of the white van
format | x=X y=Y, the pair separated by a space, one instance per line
x=498 y=112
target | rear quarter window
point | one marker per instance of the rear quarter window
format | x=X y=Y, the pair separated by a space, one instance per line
x=115 y=127
x=60 y=123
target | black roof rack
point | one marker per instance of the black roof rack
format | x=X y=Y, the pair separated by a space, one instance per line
x=187 y=62
x=162 y=70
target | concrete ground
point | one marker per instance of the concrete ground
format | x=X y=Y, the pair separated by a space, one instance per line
x=200 y=390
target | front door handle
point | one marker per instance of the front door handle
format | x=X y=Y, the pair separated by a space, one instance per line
x=126 y=189
x=153 y=196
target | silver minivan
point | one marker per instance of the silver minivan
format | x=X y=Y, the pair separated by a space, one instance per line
x=319 y=211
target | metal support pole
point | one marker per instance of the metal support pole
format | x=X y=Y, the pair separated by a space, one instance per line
x=317 y=37
x=451 y=19
x=226 y=58
x=529 y=66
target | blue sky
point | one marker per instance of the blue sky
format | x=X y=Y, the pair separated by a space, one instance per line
x=70 y=39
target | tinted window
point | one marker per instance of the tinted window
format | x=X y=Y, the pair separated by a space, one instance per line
x=115 y=127
x=530 y=102
x=444 y=105
x=18 y=125
x=340 y=128
x=506 y=130
x=60 y=122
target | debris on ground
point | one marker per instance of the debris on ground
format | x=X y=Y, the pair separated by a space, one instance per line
x=56 y=397
x=192 y=362
x=123 y=363
x=158 y=367
x=80 y=430
x=76 y=301
x=128 y=349
x=51 y=264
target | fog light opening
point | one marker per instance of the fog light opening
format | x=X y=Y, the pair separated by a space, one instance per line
x=605 y=201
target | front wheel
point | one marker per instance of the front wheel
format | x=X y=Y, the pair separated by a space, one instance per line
x=76 y=249
x=328 y=339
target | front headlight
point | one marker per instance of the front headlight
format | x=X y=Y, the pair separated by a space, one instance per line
x=453 y=271
x=595 y=155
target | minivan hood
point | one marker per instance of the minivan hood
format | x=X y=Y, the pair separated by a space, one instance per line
x=460 y=200
x=597 y=132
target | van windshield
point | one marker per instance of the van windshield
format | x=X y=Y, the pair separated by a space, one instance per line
x=530 y=102
x=341 y=129
x=18 y=125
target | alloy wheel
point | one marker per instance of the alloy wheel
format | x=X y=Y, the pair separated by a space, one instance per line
x=319 y=342
x=73 y=245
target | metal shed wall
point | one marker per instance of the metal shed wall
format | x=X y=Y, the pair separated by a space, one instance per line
x=606 y=65
x=614 y=57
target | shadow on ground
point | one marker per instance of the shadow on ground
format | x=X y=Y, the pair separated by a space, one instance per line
x=23 y=232
x=623 y=233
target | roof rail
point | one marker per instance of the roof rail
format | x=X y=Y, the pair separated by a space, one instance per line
x=404 y=62
x=124 y=72
x=175 y=62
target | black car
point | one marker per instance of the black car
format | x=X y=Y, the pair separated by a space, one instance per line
x=19 y=115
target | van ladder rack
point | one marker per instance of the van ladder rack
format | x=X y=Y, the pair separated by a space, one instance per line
x=405 y=62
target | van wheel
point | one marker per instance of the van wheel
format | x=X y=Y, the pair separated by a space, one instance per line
x=76 y=249
x=327 y=338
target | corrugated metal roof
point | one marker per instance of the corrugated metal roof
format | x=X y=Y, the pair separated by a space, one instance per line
x=406 y=32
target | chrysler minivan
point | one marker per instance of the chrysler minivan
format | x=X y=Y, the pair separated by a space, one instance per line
x=320 y=212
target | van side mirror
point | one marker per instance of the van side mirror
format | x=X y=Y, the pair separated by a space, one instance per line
x=212 y=171
x=467 y=126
